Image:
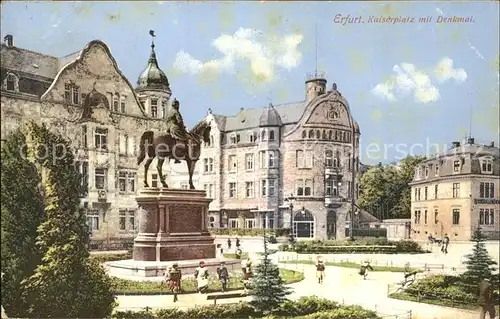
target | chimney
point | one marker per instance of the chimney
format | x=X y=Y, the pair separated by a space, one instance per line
x=455 y=144
x=470 y=140
x=9 y=40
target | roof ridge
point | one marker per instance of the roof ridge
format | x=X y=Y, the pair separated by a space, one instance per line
x=30 y=51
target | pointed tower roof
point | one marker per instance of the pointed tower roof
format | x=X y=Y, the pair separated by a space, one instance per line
x=270 y=117
x=152 y=78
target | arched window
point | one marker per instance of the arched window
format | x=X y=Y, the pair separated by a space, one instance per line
x=330 y=135
x=311 y=134
x=232 y=138
x=263 y=135
x=337 y=135
x=304 y=134
x=303 y=224
x=271 y=135
x=324 y=134
x=344 y=136
x=318 y=134
x=11 y=83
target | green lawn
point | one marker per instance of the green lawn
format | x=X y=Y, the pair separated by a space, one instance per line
x=352 y=265
x=233 y=256
x=131 y=287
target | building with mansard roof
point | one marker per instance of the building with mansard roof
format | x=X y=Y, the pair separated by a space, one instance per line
x=86 y=97
x=456 y=191
x=261 y=160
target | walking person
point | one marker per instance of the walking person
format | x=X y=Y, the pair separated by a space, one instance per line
x=173 y=278
x=201 y=275
x=363 y=270
x=446 y=242
x=246 y=267
x=320 y=270
x=223 y=276
x=229 y=244
x=485 y=299
x=238 y=244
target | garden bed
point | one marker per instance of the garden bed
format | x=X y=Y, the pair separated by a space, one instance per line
x=363 y=246
x=304 y=308
x=353 y=265
x=441 y=290
x=131 y=287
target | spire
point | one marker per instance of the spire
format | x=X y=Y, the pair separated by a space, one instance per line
x=152 y=77
x=152 y=57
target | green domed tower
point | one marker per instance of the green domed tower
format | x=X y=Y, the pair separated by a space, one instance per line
x=153 y=88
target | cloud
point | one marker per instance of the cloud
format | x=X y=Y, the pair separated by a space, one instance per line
x=264 y=55
x=408 y=80
x=445 y=71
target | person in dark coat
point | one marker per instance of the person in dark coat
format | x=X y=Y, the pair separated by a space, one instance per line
x=238 y=243
x=485 y=299
x=229 y=244
x=173 y=278
x=223 y=276
x=446 y=242
x=363 y=270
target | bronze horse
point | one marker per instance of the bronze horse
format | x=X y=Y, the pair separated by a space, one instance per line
x=165 y=146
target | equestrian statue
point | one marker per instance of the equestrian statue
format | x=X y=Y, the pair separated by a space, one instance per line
x=176 y=143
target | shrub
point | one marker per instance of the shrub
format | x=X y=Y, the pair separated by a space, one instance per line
x=102 y=258
x=305 y=306
x=367 y=246
x=408 y=246
x=347 y=312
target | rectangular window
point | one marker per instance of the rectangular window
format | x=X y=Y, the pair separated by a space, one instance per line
x=300 y=159
x=122 y=104
x=122 y=182
x=248 y=189
x=329 y=187
x=425 y=217
x=232 y=190
x=417 y=217
x=487 y=216
x=123 y=220
x=116 y=102
x=100 y=178
x=93 y=220
x=131 y=220
x=250 y=223
x=456 y=166
x=271 y=159
x=263 y=159
x=271 y=187
x=263 y=187
x=299 y=187
x=308 y=187
x=416 y=194
x=208 y=165
x=249 y=162
x=328 y=158
x=101 y=139
x=436 y=213
x=426 y=171
x=234 y=223
x=435 y=191
x=76 y=94
x=123 y=143
x=131 y=177
x=154 y=180
x=154 y=108
x=419 y=194
x=486 y=190
x=209 y=190
x=67 y=93
x=232 y=163
x=456 y=216
x=84 y=136
x=456 y=190
x=425 y=193
x=487 y=166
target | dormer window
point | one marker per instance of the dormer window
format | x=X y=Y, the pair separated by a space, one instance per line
x=252 y=137
x=271 y=135
x=11 y=83
x=426 y=171
x=456 y=166
x=263 y=135
x=232 y=139
x=486 y=166
x=436 y=170
x=419 y=173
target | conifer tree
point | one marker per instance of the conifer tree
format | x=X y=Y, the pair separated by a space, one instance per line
x=66 y=284
x=22 y=213
x=479 y=263
x=268 y=288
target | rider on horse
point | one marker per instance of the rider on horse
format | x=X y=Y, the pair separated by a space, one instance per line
x=175 y=125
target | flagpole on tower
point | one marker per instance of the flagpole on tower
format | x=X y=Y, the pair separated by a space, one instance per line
x=153 y=36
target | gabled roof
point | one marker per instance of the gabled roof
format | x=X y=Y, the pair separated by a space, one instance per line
x=22 y=60
x=289 y=113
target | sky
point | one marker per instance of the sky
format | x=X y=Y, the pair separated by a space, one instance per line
x=411 y=85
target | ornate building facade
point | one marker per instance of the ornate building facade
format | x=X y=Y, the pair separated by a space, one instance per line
x=457 y=191
x=281 y=165
x=85 y=97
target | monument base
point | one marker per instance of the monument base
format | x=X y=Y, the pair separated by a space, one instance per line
x=173 y=226
x=140 y=269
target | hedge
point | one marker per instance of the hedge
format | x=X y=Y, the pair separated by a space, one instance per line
x=347 y=264
x=111 y=257
x=254 y=232
x=305 y=307
x=132 y=287
x=352 y=247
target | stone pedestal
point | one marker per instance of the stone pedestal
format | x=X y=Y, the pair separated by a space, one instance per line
x=173 y=226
